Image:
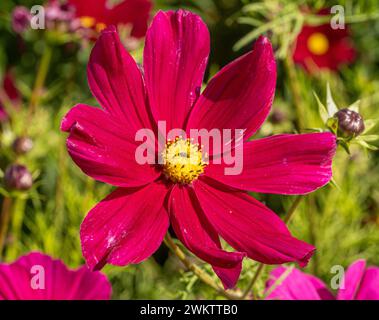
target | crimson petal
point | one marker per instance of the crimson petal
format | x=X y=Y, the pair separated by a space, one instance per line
x=249 y=226
x=116 y=81
x=176 y=54
x=126 y=227
x=240 y=95
x=101 y=147
x=198 y=235
x=282 y=164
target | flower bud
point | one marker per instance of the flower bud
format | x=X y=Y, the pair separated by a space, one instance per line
x=22 y=145
x=277 y=117
x=20 y=19
x=350 y=122
x=17 y=177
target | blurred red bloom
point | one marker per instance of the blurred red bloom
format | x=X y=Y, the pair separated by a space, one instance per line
x=202 y=205
x=98 y=14
x=322 y=47
x=37 y=276
x=9 y=93
x=360 y=283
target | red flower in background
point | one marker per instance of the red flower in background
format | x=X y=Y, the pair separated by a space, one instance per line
x=322 y=47
x=98 y=14
x=10 y=93
x=52 y=280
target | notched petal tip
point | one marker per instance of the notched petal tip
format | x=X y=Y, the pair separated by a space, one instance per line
x=72 y=116
x=305 y=260
x=110 y=29
x=68 y=121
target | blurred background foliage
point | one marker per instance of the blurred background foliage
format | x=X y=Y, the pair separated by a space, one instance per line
x=342 y=221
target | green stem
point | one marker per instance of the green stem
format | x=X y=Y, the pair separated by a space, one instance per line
x=295 y=91
x=18 y=212
x=292 y=209
x=312 y=233
x=203 y=276
x=257 y=274
x=312 y=19
x=261 y=266
x=4 y=221
x=39 y=81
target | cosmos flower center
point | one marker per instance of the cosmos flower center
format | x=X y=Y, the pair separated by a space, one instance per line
x=318 y=43
x=183 y=160
x=90 y=22
x=87 y=22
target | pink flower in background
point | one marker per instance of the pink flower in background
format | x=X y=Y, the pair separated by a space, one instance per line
x=10 y=93
x=361 y=283
x=36 y=276
x=199 y=200
x=20 y=19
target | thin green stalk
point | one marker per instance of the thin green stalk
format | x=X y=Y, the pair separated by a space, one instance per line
x=4 y=221
x=253 y=280
x=260 y=269
x=357 y=18
x=292 y=209
x=295 y=91
x=203 y=276
x=17 y=218
x=39 y=81
x=312 y=233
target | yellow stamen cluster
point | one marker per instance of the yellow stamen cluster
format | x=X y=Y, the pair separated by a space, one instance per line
x=90 y=22
x=183 y=160
x=318 y=43
x=87 y=22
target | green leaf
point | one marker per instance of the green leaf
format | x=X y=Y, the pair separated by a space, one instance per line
x=332 y=123
x=370 y=124
x=335 y=184
x=330 y=104
x=370 y=138
x=355 y=106
x=321 y=109
x=344 y=145
x=365 y=145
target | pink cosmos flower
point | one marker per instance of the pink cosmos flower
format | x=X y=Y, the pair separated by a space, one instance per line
x=361 y=283
x=200 y=201
x=37 y=276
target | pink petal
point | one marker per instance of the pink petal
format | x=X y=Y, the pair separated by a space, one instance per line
x=99 y=145
x=176 y=54
x=353 y=279
x=240 y=95
x=116 y=81
x=60 y=282
x=369 y=288
x=134 y=12
x=283 y=164
x=295 y=285
x=126 y=227
x=249 y=226
x=198 y=235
